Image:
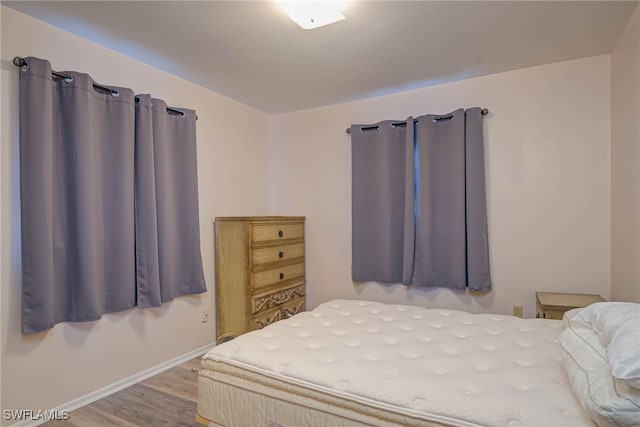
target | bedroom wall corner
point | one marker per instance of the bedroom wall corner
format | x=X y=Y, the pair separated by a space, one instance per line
x=85 y=357
x=625 y=163
x=548 y=184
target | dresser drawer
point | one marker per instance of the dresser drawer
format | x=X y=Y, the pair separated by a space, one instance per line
x=292 y=308
x=267 y=300
x=259 y=321
x=262 y=233
x=276 y=275
x=276 y=253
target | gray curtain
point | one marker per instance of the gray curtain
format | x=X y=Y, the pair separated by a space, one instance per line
x=169 y=263
x=451 y=248
x=77 y=198
x=147 y=260
x=478 y=271
x=382 y=201
x=109 y=199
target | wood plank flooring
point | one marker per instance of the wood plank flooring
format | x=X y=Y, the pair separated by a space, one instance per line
x=167 y=399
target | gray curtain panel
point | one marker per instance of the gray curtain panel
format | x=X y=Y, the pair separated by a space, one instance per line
x=77 y=198
x=382 y=201
x=147 y=260
x=478 y=272
x=169 y=263
x=451 y=248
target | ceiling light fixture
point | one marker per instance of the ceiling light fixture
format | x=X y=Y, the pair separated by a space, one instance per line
x=314 y=14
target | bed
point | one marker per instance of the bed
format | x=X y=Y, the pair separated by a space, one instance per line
x=363 y=363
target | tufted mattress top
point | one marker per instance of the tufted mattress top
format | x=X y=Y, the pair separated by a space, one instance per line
x=438 y=365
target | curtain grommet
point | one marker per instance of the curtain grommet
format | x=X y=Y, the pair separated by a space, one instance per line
x=20 y=63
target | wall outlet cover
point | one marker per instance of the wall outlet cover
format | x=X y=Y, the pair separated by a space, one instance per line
x=517 y=311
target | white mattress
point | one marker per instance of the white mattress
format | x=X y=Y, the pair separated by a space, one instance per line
x=378 y=364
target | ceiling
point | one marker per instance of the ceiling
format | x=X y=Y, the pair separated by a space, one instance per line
x=253 y=53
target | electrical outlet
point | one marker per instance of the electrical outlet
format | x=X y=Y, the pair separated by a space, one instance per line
x=206 y=314
x=517 y=311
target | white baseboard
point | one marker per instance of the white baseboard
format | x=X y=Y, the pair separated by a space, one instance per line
x=119 y=385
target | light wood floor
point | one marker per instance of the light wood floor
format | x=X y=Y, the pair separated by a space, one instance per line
x=167 y=399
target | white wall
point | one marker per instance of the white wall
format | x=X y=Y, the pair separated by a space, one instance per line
x=548 y=183
x=44 y=370
x=625 y=164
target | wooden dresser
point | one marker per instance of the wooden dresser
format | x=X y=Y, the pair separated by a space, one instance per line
x=259 y=272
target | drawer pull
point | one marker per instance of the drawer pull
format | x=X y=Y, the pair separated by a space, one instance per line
x=281 y=276
x=280 y=233
x=280 y=254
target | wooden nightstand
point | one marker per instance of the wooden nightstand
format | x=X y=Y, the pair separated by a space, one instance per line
x=551 y=305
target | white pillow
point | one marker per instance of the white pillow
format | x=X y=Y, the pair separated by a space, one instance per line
x=608 y=402
x=617 y=325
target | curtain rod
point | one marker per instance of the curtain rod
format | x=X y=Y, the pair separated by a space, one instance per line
x=484 y=112
x=20 y=62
